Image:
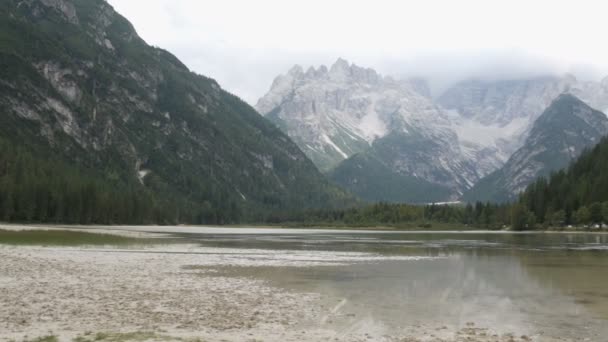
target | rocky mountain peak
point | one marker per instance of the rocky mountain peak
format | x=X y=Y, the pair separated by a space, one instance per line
x=97 y=96
x=343 y=71
x=559 y=135
x=473 y=128
x=338 y=113
x=340 y=64
x=296 y=71
x=565 y=98
x=604 y=82
x=340 y=71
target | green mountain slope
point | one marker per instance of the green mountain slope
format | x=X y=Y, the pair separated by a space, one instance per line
x=577 y=194
x=78 y=84
x=558 y=136
x=373 y=175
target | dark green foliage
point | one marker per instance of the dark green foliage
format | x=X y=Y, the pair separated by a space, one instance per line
x=211 y=158
x=48 y=338
x=370 y=179
x=522 y=218
x=37 y=188
x=576 y=195
x=480 y=216
x=565 y=129
x=369 y=175
x=490 y=188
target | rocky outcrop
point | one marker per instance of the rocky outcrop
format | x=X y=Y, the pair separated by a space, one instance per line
x=335 y=113
x=557 y=137
x=87 y=88
x=450 y=142
x=65 y=7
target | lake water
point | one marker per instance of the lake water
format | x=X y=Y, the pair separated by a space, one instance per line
x=552 y=285
x=536 y=284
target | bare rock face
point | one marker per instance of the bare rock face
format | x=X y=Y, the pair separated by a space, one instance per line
x=451 y=141
x=557 y=137
x=66 y=8
x=335 y=113
x=62 y=80
x=501 y=102
x=512 y=106
x=89 y=88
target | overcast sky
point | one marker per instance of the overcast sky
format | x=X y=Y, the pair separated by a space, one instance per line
x=244 y=44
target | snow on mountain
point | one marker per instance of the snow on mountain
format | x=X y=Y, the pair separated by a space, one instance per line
x=337 y=112
x=500 y=114
x=451 y=141
x=557 y=137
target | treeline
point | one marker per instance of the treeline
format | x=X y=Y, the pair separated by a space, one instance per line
x=481 y=215
x=37 y=189
x=575 y=196
x=34 y=189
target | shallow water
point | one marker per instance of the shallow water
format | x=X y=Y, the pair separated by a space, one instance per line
x=535 y=284
x=550 y=286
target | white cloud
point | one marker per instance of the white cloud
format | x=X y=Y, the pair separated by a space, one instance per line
x=244 y=44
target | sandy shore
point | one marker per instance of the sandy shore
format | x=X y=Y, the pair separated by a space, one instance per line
x=173 y=293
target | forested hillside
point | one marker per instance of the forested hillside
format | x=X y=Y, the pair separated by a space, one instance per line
x=576 y=195
x=81 y=90
x=564 y=130
x=34 y=188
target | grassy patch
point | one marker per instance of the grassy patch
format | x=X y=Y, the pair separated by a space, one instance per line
x=127 y=337
x=118 y=337
x=62 y=238
x=49 y=338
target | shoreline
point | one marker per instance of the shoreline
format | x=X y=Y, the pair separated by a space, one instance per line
x=178 y=293
x=186 y=292
x=163 y=231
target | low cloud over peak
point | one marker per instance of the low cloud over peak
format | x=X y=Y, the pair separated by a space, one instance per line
x=245 y=44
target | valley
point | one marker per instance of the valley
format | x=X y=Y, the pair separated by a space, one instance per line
x=391 y=140
x=180 y=170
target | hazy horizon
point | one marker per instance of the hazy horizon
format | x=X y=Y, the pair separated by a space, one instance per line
x=245 y=45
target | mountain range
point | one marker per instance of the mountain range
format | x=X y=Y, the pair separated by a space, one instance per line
x=557 y=138
x=82 y=96
x=392 y=140
x=78 y=84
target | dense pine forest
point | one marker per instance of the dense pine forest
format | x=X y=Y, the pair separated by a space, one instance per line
x=576 y=196
x=46 y=189
x=100 y=127
x=490 y=216
x=35 y=189
x=87 y=108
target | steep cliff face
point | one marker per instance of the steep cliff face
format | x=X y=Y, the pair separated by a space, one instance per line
x=558 y=136
x=358 y=125
x=503 y=112
x=336 y=113
x=501 y=102
x=77 y=80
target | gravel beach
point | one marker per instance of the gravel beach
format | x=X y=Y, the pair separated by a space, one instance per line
x=174 y=292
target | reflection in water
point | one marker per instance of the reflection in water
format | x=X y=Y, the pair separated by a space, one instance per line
x=551 y=284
